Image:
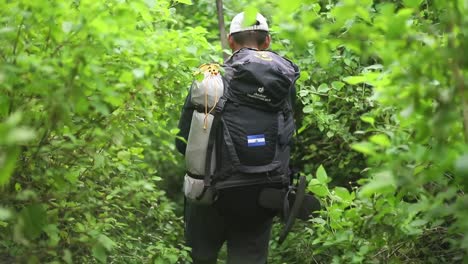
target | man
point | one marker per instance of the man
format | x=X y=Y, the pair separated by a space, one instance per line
x=236 y=217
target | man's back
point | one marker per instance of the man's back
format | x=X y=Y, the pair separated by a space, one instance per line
x=252 y=149
x=256 y=121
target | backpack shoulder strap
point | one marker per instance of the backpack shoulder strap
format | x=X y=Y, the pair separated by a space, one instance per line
x=211 y=139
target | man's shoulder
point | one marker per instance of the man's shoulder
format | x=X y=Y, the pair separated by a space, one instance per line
x=260 y=56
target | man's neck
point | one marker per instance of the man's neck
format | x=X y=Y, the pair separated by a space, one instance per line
x=246 y=46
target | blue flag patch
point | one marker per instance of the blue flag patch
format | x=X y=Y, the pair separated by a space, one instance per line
x=256 y=140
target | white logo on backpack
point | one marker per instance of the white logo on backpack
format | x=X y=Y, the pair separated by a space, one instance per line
x=259 y=95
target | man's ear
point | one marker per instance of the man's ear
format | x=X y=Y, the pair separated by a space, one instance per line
x=231 y=42
x=266 y=44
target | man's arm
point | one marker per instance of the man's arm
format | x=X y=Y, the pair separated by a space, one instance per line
x=292 y=95
x=184 y=124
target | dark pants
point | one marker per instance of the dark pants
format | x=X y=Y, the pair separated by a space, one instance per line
x=235 y=218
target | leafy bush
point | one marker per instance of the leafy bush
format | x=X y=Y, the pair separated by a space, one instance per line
x=408 y=118
x=91 y=93
x=87 y=103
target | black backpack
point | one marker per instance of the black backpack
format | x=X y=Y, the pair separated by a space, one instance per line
x=253 y=121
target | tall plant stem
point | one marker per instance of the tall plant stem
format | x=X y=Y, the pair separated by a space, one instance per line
x=221 y=26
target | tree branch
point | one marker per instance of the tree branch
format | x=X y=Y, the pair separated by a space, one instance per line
x=15 y=45
x=458 y=77
x=221 y=26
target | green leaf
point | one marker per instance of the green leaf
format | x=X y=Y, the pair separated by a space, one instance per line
x=323 y=54
x=304 y=76
x=412 y=3
x=337 y=85
x=53 y=234
x=72 y=176
x=8 y=163
x=308 y=109
x=323 y=88
x=4 y=103
x=322 y=175
x=67 y=26
x=20 y=135
x=364 y=148
x=461 y=165
x=138 y=73
x=303 y=93
x=67 y=256
x=34 y=219
x=14 y=119
x=199 y=76
x=343 y=193
x=368 y=119
x=381 y=140
x=383 y=182
x=5 y=214
x=250 y=15
x=124 y=155
x=319 y=221
x=99 y=252
x=187 y=2
x=174 y=131
x=353 y=80
x=289 y=6
x=318 y=188
x=106 y=242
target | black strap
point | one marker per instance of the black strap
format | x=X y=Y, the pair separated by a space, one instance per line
x=231 y=149
x=195 y=176
x=294 y=211
x=211 y=140
x=286 y=208
x=259 y=169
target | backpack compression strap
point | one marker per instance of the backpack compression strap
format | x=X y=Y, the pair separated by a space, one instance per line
x=211 y=139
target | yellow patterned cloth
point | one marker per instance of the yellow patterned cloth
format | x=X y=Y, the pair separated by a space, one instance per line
x=212 y=68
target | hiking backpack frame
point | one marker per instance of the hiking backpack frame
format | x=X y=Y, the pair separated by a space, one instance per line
x=253 y=123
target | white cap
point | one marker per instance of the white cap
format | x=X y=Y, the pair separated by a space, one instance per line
x=237 y=24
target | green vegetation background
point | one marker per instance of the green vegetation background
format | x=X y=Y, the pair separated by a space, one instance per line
x=90 y=94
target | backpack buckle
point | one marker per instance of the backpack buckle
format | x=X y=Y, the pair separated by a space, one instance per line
x=220 y=105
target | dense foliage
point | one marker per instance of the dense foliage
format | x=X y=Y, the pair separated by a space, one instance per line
x=87 y=103
x=90 y=93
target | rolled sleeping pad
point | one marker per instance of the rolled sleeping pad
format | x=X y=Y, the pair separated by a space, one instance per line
x=197 y=144
x=208 y=91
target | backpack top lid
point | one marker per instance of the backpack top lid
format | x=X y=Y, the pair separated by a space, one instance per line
x=262 y=79
x=265 y=57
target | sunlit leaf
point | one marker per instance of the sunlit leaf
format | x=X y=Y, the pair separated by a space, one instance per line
x=383 y=182
x=322 y=175
x=380 y=139
x=250 y=15
x=7 y=164
x=354 y=79
x=364 y=147
x=187 y=2
x=318 y=188
x=99 y=252
x=5 y=214
x=368 y=119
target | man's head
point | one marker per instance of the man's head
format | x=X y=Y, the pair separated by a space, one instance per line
x=254 y=36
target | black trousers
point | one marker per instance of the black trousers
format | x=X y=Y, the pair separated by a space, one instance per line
x=235 y=218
